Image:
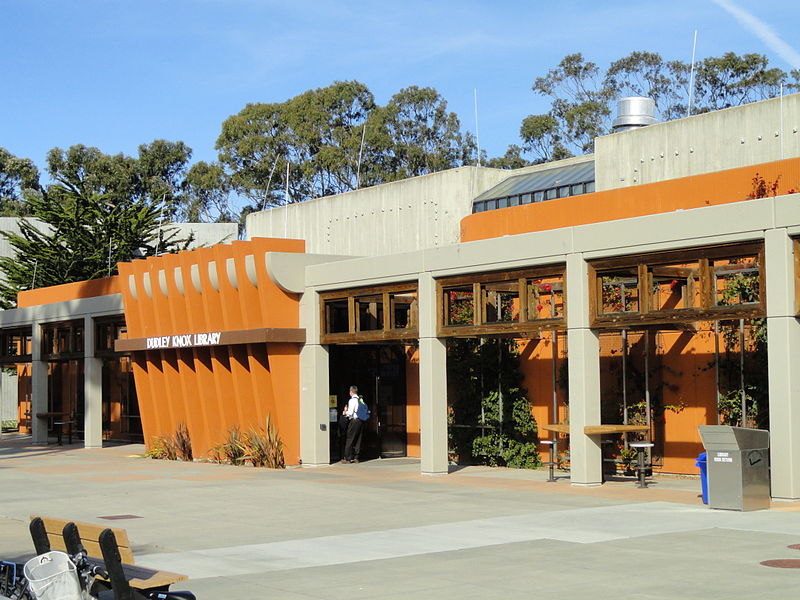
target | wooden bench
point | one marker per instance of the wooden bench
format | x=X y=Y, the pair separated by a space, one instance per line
x=138 y=576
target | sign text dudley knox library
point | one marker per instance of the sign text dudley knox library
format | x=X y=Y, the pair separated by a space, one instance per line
x=183 y=341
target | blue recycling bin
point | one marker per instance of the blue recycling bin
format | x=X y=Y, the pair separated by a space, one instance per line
x=702 y=463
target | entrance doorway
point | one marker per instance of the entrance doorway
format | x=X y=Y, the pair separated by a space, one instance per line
x=380 y=374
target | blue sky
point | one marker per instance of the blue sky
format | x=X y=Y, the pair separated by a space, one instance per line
x=118 y=74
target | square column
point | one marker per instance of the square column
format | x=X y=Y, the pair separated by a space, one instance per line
x=783 y=350
x=583 y=351
x=92 y=389
x=432 y=383
x=314 y=387
x=38 y=387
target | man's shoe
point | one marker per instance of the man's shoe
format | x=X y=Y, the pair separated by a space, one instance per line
x=344 y=460
x=355 y=460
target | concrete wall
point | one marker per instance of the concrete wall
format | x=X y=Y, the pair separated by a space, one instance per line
x=421 y=212
x=205 y=234
x=725 y=139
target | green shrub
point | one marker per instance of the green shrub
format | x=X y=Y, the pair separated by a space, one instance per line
x=161 y=448
x=177 y=446
x=232 y=450
x=264 y=447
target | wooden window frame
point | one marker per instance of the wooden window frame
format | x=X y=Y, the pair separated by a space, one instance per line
x=523 y=328
x=708 y=310
x=387 y=332
x=22 y=332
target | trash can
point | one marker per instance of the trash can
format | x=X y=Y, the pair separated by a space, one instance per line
x=737 y=467
x=701 y=463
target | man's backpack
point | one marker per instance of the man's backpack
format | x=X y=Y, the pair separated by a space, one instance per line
x=362 y=412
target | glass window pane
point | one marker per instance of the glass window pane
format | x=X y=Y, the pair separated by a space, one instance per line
x=576 y=190
x=563 y=191
x=502 y=203
x=550 y=194
x=491 y=204
x=513 y=201
x=589 y=187
x=526 y=198
x=538 y=196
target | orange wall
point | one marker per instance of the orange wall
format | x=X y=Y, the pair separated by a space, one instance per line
x=681 y=360
x=212 y=389
x=412 y=402
x=688 y=382
x=68 y=291
x=722 y=187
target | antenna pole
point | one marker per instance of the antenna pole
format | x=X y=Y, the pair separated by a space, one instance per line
x=360 y=154
x=477 y=133
x=286 y=198
x=269 y=183
x=691 y=76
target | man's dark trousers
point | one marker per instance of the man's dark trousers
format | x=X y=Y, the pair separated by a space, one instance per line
x=352 y=448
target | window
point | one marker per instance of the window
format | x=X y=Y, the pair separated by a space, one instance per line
x=459 y=308
x=513 y=201
x=736 y=281
x=526 y=198
x=550 y=194
x=370 y=312
x=588 y=187
x=576 y=190
x=619 y=291
x=563 y=191
x=336 y=316
x=491 y=205
x=502 y=203
x=538 y=196
x=502 y=302
x=404 y=310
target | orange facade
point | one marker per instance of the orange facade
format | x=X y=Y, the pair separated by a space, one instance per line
x=687 y=386
x=721 y=187
x=215 y=387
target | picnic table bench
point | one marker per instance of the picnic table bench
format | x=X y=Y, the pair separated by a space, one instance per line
x=58 y=420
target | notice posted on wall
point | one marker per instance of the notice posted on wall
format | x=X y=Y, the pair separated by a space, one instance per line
x=722 y=457
x=334 y=415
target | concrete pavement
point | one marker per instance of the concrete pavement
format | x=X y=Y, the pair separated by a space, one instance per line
x=380 y=530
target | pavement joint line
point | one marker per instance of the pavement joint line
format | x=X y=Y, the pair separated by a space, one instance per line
x=581 y=526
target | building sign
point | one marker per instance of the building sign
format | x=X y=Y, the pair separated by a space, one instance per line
x=189 y=340
x=212 y=338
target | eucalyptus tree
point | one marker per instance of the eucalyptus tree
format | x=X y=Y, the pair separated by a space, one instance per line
x=582 y=96
x=18 y=176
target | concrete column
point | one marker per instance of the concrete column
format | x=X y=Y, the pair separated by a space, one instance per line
x=583 y=351
x=92 y=389
x=783 y=334
x=432 y=383
x=314 y=387
x=38 y=386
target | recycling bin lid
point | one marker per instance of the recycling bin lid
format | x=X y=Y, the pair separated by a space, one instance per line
x=725 y=437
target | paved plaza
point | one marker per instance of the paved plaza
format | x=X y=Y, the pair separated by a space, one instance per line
x=379 y=529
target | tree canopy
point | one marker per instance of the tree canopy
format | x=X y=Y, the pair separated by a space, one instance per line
x=18 y=176
x=84 y=235
x=336 y=139
x=582 y=96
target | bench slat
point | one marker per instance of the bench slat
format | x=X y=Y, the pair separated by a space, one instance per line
x=89 y=534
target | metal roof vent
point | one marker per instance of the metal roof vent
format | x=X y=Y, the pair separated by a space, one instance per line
x=634 y=112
